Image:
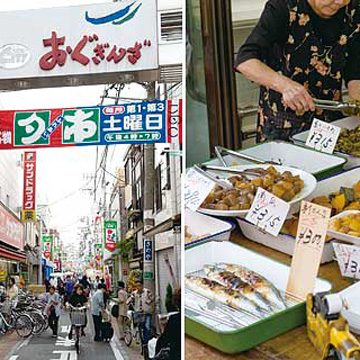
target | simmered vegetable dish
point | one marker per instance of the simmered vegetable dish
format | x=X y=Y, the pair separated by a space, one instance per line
x=283 y=185
x=348 y=224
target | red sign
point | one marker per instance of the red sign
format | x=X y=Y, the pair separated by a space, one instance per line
x=11 y=229
x=29 y=194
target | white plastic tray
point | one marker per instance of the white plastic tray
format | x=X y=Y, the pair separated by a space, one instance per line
x=309 y=186
x=214 y=252
x=200 y=224
x=283 y=242
x=352 y=314
x=311 y=161
x=347 y=123
x=340 y=236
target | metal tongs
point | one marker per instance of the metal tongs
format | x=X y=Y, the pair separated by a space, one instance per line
x=346 y=107
x=219 y=150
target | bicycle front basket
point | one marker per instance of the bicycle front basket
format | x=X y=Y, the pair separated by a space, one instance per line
x=78 y=317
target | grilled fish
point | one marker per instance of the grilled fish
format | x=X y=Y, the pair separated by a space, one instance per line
x=258 y=282
x=215 y=291
x=232 y=281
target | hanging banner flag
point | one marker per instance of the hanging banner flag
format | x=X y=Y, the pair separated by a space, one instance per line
x=47 y=241
x=135 y=123
x=110 y=233
x=29 y=191
x=98 y=253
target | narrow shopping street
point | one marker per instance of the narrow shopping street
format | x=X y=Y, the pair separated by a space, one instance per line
x=45 y=347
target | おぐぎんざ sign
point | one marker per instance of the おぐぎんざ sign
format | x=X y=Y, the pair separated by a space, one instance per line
x=29 y=191
x=110 y=233
x=143 y=122
x=78 y=45
x=47 y=241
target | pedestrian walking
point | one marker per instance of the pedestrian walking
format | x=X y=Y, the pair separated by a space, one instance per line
x=143 y=301
x=97 y=305
x=52 y=309
x=13 y=291
x=85 y=284
x=69 y=287
x=122 y=300
x=53 y=282
x=96 y=283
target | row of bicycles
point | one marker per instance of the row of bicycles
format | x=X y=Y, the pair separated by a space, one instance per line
x=25 y=315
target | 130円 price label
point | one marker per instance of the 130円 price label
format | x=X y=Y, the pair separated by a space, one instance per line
x=348 y=258
x=197 y=188
x=268 y=212
x=323 y=136
x=309 y=246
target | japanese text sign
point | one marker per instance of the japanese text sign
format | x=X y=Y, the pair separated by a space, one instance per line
x=79 y=44
x=47 y=241
x=310 y=241
x=136 y=123
x=110 y=234
x=323 y=136
x=197 y=188
x=11 y=229
x=268 y=212
x=29 y=191
x=348 y=257
x=148 y=250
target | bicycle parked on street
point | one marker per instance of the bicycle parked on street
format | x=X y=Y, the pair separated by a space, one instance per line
x=78 y=320
x=134 y=325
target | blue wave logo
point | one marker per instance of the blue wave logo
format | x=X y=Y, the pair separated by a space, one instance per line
x=117 y=18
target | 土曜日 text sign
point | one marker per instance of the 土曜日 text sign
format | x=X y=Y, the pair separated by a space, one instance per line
x=135 y=123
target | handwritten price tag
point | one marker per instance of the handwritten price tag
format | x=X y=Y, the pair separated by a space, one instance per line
x=268 y=212
x=323 y=136
x=348 y=257
x=309 y=246
x=197 y=188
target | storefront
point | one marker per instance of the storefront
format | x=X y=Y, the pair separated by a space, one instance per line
x=12 y=256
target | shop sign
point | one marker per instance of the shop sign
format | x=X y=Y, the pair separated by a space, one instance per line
x=47 y=241
x=98 y=253
x=174 y=122
x=135 y=123
x=11 y=229
x=148 y=275
x=148 y=250
x=348 y=258
x=57 y=265
x=110 y=233
x=76 y=45
x=3 y=275
x=29 y=190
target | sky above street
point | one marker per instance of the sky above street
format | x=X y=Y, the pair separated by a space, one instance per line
x=61 y=172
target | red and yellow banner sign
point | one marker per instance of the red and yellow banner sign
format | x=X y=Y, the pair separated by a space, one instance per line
x=29 y=195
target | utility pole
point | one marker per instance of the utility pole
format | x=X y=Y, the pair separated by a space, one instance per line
x=149 y=177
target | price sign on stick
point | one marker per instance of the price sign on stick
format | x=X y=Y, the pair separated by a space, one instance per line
x=348 y=257
x=197 y=188
x=268 y=212
x=323 y=136
x=310 y=241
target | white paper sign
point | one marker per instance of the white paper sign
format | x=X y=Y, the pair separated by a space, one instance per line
x=197 y=188
x=348 y=257
x=268 y=212
x=323 y=136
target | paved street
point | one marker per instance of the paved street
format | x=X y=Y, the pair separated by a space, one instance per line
x=44 y=347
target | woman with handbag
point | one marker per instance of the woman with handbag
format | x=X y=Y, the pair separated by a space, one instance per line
x=53 y=309
x=122 y=299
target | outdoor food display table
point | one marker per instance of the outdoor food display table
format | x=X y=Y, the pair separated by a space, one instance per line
x=292 y=345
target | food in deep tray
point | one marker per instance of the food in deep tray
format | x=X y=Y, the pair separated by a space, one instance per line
x=348 y=224
x=237 y=287
x=342 y=200
x=191 y=237
x=283 y=185
x=349 y=141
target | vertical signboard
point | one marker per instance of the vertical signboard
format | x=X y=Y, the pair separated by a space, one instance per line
x=110 y=233
x=47 y=241
x=148 y=259
x=98 y=255
x=29 y=191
